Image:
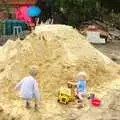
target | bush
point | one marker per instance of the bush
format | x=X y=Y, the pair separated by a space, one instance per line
x=75 y=11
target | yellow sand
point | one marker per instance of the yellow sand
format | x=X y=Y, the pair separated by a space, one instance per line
x=60 y=52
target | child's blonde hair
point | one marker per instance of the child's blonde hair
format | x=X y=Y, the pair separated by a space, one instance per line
x=33 y=70
x=81 y=76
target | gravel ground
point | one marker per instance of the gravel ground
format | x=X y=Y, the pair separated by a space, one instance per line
x=112 y=50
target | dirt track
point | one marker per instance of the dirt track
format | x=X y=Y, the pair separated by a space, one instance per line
x=112 y=50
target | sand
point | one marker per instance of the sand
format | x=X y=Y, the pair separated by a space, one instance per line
x=60 y=52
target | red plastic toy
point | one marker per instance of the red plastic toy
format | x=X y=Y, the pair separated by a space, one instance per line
x=96 y=102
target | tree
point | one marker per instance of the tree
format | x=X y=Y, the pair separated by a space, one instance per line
x=111 y=5
x=75 y=11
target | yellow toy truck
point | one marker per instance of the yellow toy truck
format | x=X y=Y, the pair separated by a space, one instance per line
x=65 y=95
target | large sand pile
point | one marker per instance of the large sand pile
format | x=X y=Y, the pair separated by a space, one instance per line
x=60 y=52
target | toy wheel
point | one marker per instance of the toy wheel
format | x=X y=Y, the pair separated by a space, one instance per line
x=58 y=100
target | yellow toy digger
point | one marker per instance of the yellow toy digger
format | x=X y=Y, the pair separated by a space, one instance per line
x=65 y=95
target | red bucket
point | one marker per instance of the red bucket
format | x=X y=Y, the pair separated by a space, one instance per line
x=96 y=102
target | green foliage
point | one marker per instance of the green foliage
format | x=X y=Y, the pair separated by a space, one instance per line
x=75 y=11
x=111 y=5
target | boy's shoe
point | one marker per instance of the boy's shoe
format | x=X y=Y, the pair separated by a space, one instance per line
x=36 y=106
x=27 y=105
x=79 y=101
x=79 y=105
x=91 y=96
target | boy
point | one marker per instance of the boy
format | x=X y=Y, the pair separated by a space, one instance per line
x=29 y=88
x=80 y=86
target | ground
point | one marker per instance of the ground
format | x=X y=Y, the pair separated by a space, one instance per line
x=12 y=108
x=112 y=112
x=108 y=92
x=111 y=50
x=109 y=110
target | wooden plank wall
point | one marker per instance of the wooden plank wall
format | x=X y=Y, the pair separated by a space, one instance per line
x=14 y=2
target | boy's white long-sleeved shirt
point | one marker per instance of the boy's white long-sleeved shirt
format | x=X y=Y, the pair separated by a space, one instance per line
x=28 y=88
